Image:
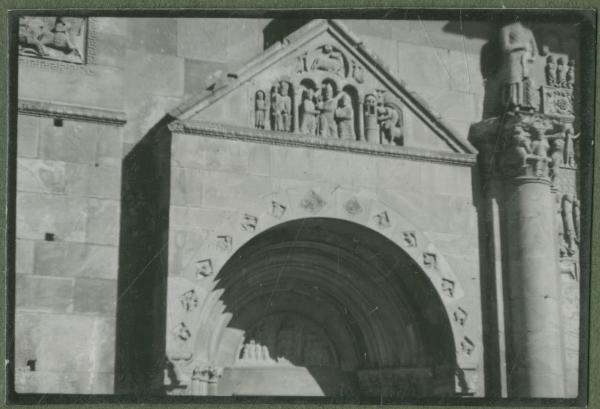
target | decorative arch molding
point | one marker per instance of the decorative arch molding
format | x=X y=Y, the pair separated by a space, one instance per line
x=201 y=276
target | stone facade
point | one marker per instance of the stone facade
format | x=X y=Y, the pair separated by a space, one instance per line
x=154 y=151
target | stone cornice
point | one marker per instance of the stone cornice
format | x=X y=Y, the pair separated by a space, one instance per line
x=292 y=139
x=64 y=111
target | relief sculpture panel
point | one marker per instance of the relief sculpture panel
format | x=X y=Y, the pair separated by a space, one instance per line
x=327 y=94
x=54 y=38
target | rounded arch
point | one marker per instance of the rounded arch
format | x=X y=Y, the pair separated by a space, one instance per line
x=375 y=304
x=214 y=340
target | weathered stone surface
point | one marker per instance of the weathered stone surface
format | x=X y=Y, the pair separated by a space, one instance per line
x=93 y=181
x=72 y=84
x=95 y=296
x=103 y=221
x=209 y=154
x=186 y=187
x=72 y=343
x=153 y=35
x=28 y=134
x=58 y=258
x=145 y=110
x=163 y=74
x=24 y=256
x=34 y=175
x=44 y=294
x=74 y=141
x=222 y=189
x=39 y=214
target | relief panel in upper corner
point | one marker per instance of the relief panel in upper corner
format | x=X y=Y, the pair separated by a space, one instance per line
x=53 y=38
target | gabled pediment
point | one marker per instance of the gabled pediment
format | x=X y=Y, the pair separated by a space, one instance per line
x=322 y=81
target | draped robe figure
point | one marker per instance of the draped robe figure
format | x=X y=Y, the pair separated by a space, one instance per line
x=519 y=51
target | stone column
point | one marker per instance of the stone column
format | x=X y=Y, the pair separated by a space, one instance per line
x=513 y=151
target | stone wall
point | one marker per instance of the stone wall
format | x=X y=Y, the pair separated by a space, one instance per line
x=68 y=201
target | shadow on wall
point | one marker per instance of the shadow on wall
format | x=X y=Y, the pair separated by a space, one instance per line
x=143 y=262
x=280 y=28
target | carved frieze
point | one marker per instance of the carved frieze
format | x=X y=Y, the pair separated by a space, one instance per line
x=54 y=38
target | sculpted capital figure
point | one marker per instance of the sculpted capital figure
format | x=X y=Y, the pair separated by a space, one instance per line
x=519 y=50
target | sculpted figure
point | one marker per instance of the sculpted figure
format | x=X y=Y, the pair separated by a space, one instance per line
x=520 y=49
x=518 y=150
x=370 y=120
x=569 y=225
x=550 y=71
x=561 y=73
x=562 y=247
x=34 y=34
x=556 y=156
x=283 y=108
x=577 y=220
x=31 y=31
x=260 y=109
x=357 y=72
x=391 y=128
x=329 y=60
x=62 y=39
x=345 y=118
x=539 y=148
x=569 y=155
x=326 y=107
x=570 y=76
x=308 y=124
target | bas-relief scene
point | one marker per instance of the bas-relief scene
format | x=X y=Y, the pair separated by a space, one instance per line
x=307 y=224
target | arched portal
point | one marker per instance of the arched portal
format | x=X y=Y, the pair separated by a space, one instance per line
x=322 y=306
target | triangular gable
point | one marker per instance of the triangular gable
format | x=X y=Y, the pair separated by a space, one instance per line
x=323 y=54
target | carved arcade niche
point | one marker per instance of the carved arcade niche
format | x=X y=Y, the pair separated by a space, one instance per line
x=54 y=38
x=286 y=339
x=325 y=97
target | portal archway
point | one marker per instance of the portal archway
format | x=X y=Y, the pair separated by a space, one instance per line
x=323 y=306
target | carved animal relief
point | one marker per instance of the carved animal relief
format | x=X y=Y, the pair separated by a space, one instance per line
x=54 y=38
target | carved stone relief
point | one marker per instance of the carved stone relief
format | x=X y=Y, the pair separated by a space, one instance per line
x=277 y=209
x=249 y=223
x=353 y=207
x=224 y=243
x=467 y=346
x=204 y=268
x=189 y=300
x=323 y=96
x=54 y=38
x=286 y=339
x=312 y=202
x=383 y=220
x=410 y=238
x=460 y=316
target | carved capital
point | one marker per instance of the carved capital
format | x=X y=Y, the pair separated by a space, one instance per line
x=518 y=145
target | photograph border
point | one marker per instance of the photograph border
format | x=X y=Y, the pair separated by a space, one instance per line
x=590 y=296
